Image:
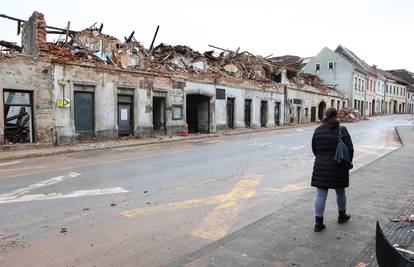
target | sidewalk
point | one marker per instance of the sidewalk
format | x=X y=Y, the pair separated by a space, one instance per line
x=24 y=151
x=286 y=237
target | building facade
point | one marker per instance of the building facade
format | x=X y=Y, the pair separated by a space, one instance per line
x=340 y=72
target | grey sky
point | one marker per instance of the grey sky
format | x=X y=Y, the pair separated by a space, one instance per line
x=380 y=32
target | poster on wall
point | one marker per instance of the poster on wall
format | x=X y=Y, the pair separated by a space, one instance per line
x=124 y=114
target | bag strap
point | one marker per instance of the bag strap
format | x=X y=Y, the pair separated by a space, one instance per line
x=340 y=132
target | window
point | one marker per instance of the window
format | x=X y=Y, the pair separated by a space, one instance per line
x=317 y=66
x=220 y=93
x=18 y=116
x=359 y=83
x=306 y=112
x=355 y=82
x=331 y=65
x=177 y=113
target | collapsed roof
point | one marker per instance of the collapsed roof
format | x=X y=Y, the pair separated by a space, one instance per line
x=92 y=46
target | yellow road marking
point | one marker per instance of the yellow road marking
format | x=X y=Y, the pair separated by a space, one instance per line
x=218 y=222
x=171 y=206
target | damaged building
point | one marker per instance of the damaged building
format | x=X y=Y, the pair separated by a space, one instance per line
x=91 y=86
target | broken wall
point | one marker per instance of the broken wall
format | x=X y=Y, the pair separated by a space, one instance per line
x=310 y=97
x=24 y=73
x=34 y=34
x=104 y=83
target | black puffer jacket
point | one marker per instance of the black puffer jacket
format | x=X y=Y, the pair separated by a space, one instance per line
x=326 y=171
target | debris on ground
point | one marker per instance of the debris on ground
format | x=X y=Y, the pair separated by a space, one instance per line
x=349 y=115
x=404 y=218
x=113 y=204
x=63 y=230
x=85 y=209
x=361 y=264
x=145 y=191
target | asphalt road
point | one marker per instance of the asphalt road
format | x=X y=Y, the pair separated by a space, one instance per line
x=149 y=205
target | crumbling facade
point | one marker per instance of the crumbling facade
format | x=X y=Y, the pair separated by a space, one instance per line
x=90 y=85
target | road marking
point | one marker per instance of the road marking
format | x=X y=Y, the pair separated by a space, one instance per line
x=78 y=193
x=297 y=147
x=22 y=191
x=10 y=163
x=21 y=195
x=287 y=188
x=217 y=223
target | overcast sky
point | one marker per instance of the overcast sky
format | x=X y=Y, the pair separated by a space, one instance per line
x=379 y=31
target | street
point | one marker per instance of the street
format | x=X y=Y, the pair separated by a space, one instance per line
x=149 y=205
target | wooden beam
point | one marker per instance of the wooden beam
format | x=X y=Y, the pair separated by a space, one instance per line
x=153 y=39
x=67 y=32
x=11 y=18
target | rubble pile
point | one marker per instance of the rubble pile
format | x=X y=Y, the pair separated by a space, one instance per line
x=349 y=115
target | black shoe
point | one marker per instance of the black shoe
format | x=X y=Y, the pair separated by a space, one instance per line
x=319 y=226
x=343 y=217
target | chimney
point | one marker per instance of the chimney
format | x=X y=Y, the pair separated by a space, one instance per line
x=34 y=34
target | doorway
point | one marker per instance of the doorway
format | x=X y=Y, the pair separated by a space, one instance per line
x=247 y=112
x=277 y=113
x=313 y=114
x=198 y=113
x=321 y=110
x=298 y=112
x=125 y=117
x=230 y=113
x=263 y=114
x=158 y=115
x=18 y=117
x=373 y=107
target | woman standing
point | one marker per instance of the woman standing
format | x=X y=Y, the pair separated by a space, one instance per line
x=327 y=173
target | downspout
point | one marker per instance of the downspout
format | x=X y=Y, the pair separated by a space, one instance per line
x=285 y=105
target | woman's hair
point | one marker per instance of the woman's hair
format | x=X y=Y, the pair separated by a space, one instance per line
x=331 y=117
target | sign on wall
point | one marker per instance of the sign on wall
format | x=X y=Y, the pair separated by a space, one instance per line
x=63 y=102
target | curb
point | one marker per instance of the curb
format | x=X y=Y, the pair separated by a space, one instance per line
x=214 y=135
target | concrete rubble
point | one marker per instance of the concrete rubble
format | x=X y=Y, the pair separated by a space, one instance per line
x=349 y=115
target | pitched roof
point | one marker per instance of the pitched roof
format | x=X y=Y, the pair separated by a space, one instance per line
x=404 y=74
x=353 y=57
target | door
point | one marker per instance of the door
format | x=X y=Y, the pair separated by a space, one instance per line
x=158 y=114
x=313 y=114
x=125 y=118
x=263 y=113
x=247 y=112
x=230 y=113
x=277 y=113
x=84 y=112
x=298 y=112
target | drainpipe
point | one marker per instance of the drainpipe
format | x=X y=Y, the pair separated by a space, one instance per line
x=285 y=104
x=365 y=97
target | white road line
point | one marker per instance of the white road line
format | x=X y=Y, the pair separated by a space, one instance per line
x=22 y=191
x=297 y=147
x=78 y=193
x=10 y=163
